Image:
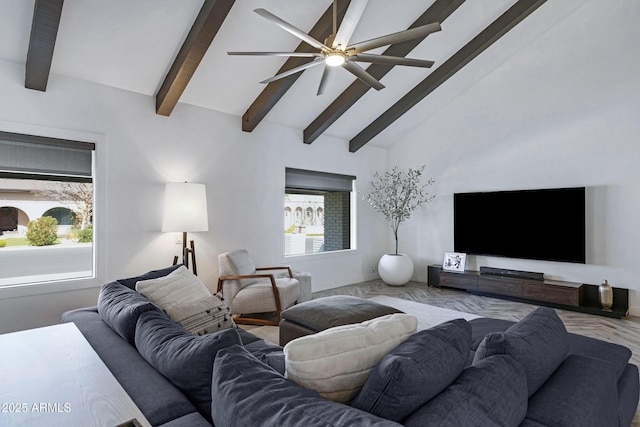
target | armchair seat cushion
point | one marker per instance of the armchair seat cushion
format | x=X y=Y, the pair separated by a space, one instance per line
x=258 y=297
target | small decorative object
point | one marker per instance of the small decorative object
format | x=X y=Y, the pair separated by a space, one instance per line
x=454 y=261
x=396 y=194
x=605 y=295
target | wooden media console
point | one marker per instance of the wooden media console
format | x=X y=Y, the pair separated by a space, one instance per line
x=553 y=293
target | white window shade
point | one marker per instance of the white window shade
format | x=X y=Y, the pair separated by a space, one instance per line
x=185 y=207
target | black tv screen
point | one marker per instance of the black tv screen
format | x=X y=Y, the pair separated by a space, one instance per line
x=546 y=224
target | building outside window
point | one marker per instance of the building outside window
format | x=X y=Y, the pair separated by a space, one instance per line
x=46 y=209
x=317 y=212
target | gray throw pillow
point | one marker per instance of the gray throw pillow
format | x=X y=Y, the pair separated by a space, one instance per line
x=492 y=392
x=183 y=358
x=539 y=342
x=416 y=371
x=120 y=307
x=246 y=392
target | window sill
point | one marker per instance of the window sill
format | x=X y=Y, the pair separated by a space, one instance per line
x=48 y=287
x=321 y=255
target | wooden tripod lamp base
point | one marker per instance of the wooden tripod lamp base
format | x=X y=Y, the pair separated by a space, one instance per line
x=187 y=252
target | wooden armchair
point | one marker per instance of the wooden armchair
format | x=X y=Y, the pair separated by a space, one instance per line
x=250 y=290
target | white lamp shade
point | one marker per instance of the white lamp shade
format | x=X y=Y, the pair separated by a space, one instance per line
x=185 y=207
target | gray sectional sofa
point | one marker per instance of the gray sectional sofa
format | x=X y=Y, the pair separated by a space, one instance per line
x=483 y=372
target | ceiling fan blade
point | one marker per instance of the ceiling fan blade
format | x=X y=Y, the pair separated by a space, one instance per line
x=395 y=38
x=325 y=78
x=292 y=54
x=290 y=28
x=391 y=60
x=349 y=23
x=357 y=71
x=302 y=67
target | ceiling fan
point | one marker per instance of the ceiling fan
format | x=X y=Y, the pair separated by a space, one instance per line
x=336 y=50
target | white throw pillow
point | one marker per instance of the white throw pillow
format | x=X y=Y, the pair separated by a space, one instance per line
x=180 y=287
x=206 y=316
x=336 y=362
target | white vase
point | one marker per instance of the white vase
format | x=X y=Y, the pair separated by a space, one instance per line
x=395 y=270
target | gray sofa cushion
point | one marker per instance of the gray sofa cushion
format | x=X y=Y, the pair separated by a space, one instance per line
x=613 y=353
x=268 y=353
x=539 y=342
x=416 y=371
x=185 y=359
x=578 y=344
x=246 y=392
x=581 y=392
x=190 y=420
x=157 y=398
x=483 y=326
x=492 y=392
x=628 y=395
x=120 y=308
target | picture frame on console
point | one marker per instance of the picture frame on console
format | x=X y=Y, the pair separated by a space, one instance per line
x=454 y=261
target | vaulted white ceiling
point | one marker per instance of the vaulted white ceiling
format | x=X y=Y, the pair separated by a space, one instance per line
x=131 y=44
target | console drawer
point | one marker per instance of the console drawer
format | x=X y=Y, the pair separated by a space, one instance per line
x=551 y=293
x=458 y=280
x=500 y=286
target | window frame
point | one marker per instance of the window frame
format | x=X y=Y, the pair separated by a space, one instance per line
x=328 y=183
x=99 y=207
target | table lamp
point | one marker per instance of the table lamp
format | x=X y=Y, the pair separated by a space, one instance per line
x=185 y=209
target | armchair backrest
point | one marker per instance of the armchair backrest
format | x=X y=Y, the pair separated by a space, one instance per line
x=235 y=263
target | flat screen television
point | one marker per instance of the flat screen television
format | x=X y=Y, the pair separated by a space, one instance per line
x=546 y=224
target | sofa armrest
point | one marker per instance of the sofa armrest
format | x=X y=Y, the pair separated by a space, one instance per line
x=581 y=392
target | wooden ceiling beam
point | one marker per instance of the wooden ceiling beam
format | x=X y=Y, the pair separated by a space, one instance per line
x=44 y=31
x=274 y=91
x=438 y=12
x=204 y=29
x=512 y=17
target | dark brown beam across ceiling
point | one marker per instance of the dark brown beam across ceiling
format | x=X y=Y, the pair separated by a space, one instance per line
x=512 y=17
x=270 y=96
x=204 y=29
x=438 y=12
x=44 y=30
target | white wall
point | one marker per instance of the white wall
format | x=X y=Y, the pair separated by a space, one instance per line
x=561 y=110
x=140 y=151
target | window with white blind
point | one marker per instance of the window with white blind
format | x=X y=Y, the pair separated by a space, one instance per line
x=46 y=209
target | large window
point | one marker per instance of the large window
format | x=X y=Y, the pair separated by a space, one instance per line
x=317 y=212
x=46 y=209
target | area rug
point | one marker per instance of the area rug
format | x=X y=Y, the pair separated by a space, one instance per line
x=269 y=333
x=428 y=315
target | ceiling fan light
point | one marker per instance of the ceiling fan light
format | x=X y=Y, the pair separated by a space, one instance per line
x=335 y=59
